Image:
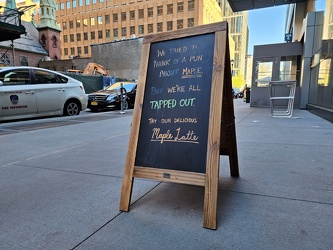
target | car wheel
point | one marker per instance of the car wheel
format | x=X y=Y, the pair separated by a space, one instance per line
x=71 y=108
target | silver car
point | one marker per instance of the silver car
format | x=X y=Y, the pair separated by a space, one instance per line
x=27 y=92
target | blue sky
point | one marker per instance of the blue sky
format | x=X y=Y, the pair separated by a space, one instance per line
x=266 y=26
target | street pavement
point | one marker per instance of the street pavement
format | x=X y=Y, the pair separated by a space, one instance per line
x=60 y=184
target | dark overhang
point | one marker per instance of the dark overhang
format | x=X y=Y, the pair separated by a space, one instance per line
x=10 y=23
x=242 y=5
x=10 y=31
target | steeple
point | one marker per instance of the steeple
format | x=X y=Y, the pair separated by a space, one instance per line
x=48 y=16
x=11 y=8
x=11 y=4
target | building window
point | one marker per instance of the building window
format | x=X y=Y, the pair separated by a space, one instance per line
x=85 y=36
x=100 y=34
x=190 y=5
x=54 y=41
x=159 y=10
x=99 y=20
x=169 y=25
x=115 y=17
x=72 y=51
x=107 y=34
x=179 y=24
x=4 y=58
x=150 y=28
x=92 y=35
x=180 y=7
x=68 y=5
x=190 y=22
x=66 y=51
x=74 y=3
x=71 y=26
x=79 y=52
x=140 y=13
x=71 y=37
x=85 y=22
x=132 y=30
x=159 y=27
x=43 y=40
x=78 y=23
x=132 y=14
x=150 y=12
x=123 y=16
x=62 y=6
x=123 y=31
x=78 y=37
x=87 y=2
x=86 y=50
x=65 y=39
x=80 y=2
x=23 y=61
x=107 y=18
x=141 y=29
x=38 y=61
x=94 y=1
x=64 y=25
x=115 y=32
x=92 y=21
x=170 y=8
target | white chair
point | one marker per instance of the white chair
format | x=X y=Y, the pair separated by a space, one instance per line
x=276 y=88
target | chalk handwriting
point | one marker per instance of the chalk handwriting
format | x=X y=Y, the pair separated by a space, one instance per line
x=174 y=136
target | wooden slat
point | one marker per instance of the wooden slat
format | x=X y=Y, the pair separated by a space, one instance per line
x=213 y=148
x=127 y=184
x=198 y=30
x=168 y=175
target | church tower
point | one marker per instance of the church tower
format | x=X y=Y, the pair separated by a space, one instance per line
x=49 y=30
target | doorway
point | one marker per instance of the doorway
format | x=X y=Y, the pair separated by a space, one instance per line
x=275 y=62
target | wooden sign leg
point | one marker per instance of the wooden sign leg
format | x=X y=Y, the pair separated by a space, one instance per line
x=214 y=132
x=210 y=201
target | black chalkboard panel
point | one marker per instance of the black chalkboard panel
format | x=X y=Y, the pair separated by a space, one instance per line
x=175 y=113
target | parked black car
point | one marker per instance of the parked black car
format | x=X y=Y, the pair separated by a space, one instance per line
x=109 y=98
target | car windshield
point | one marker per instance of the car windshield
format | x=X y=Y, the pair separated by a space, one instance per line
x=127 y=85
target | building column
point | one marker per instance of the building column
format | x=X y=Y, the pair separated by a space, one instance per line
x=313 y=30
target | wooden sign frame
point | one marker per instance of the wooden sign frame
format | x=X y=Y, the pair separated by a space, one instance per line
x=221 y=126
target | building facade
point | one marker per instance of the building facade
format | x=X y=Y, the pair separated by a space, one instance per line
x=311 y=22
x=239 y=32
x=87 y=22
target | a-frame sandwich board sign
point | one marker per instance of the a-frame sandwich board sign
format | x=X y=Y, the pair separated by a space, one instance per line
x=183 y=118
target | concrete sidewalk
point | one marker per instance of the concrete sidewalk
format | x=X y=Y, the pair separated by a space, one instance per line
x=60 y=189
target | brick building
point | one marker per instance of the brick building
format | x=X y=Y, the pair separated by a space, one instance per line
x=86 y=22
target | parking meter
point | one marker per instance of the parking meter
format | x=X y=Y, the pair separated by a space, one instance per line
x=123 y=97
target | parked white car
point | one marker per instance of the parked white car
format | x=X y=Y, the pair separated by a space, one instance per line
x=27 y=92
